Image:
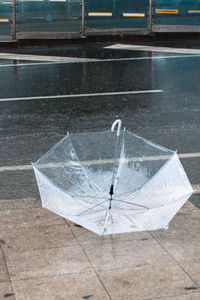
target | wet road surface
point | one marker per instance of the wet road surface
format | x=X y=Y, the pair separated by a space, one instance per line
x=165 y=109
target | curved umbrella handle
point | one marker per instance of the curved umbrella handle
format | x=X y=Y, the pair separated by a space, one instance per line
x=119 y=122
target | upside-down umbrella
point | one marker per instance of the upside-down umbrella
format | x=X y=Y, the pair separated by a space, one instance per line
x=112 y=183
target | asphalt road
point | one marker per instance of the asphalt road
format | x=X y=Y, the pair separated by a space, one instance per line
x=154 y=93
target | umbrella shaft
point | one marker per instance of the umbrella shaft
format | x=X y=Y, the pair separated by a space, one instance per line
x=113 y=176
x=111 y=194
x=115 y=160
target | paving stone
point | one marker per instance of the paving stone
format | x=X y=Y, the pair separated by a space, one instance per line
x=6 y=204
x=127 y=254
x=46 y=262
x=26 y=218
x=146 y=282
x=22 y=239
x=184 y=227
x=181 y=241
x=193 y=269
x=183 y=251
x=66 y=287
x=40 y=249
x=193 y=296
x=86 y=237
x=6 y=291
x=3 y=271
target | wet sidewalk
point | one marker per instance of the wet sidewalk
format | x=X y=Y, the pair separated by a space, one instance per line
x=44 y=256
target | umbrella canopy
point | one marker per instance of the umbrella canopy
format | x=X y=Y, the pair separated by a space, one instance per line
x=112 y=183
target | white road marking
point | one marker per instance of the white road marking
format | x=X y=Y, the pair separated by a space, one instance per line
x=16 y=168
x=43 y=58
x=148 y=58
x=29 y=64
x=93 y=162
x=153 y=48
x=80 y=95
x=196 y=187
x=49 y=60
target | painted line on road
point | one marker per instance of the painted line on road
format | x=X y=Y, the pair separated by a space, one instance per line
x=148 y=58
x=43 y=58
x=29 y=64
x=196 y=187
x=61 y=60
x=95 y=162
x=81 y=95
x=153 y=48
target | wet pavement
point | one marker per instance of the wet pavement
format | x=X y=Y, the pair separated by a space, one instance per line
x=169 y=117
x=165 y=109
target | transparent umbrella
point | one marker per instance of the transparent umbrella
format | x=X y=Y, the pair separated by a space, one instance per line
x=112 y=183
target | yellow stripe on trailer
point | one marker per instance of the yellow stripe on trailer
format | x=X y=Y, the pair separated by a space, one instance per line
x=100 y=14
x=4 y=20
x=133 y=15
x=166 y=11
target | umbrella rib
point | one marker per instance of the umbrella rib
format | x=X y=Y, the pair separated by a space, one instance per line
x=120 y=221
x=83 y=200
x=122 y=201
x=126 y=217
x=150 y=179
x=106 y=221
x=85 y=211
x=154 y=176
x=100 y=209
x=73 y=182
x=127 y=209
x=63 y=190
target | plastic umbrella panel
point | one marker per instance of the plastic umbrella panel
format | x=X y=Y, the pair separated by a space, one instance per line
x=149 y=186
